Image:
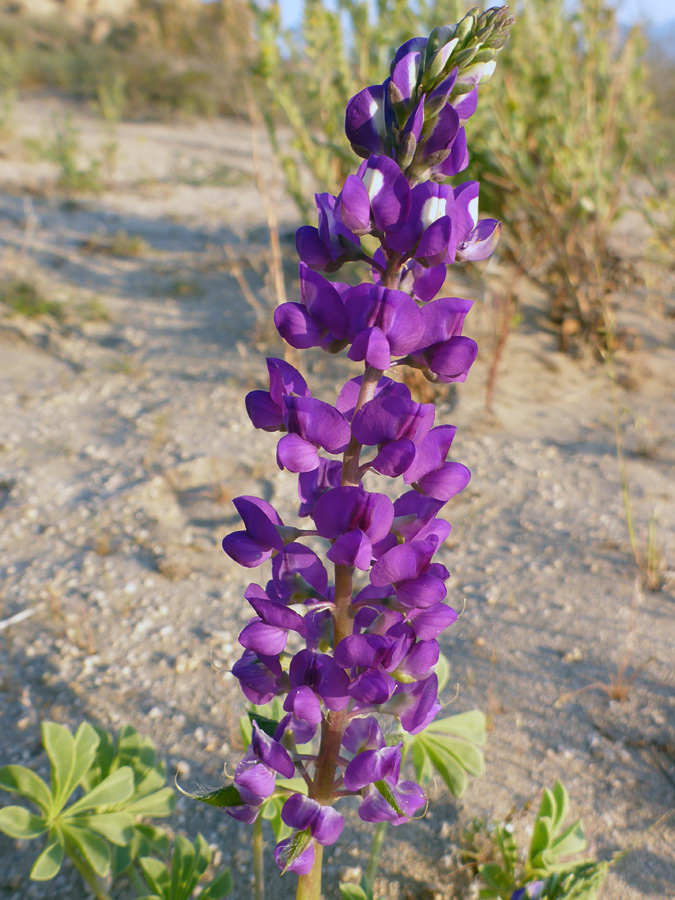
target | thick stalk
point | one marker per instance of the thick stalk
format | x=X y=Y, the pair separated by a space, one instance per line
x=375 y=850
x=258 y=860
x=309 y=886
x=335 y=722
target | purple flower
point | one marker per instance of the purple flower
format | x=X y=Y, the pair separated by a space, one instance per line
x=417 y=581
x=324 y=823
x=531 y=891
x=376 y=198
x=382 y=323
x=326 y=248
x=311 y=485
x=367 y=120
x=383 y=766
x=442 y=351
x=354 y=519
x=301 y=865
x=320 y=320
x=325 y=680
x=361 y=734
x=311 y=424
x=261 y=539
x=266 y=408
x=260 y=677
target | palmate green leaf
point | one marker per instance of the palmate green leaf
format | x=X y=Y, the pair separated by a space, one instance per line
x=92 y=847
x=541 y=838
x=219 y=887
x=113 y=791
x=508 y=849
x=20 y=823
x=19 y=780
x=48 y=863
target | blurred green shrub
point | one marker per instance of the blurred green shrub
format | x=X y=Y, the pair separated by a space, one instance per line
x=554 y=147
x=165 y=57
x=93 y=809
x=555 y=136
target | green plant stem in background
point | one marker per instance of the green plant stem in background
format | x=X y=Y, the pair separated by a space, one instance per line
x=258 y=860
x=88 y=875
x=375 y=851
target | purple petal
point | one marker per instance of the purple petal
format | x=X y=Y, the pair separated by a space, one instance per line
x=295 y=563
x=363 y=734
x=263 y=639
x=372 y=346
x=263 y=411
x=254 y=781
x=452 y=359
x=361 y=651
x=429 y=623
x=404 y=73
x=317 y=422
x=430 y=455
x=466 y=107
x=445 y=482
x=300 y=812
x=296 y=454
x=302 y=865
x=388 y=191
x=259 y=682
x=409 y=797
x=402 y=563
x=296 y=327
x=260 y=518
x=435 y=243
x=271 y=752
x=311 y=249
x=372 y=688
x=352 y=549
x=323 y=302
x=373 y=765
x=458 y=159
x=353 y=206
x=393 y=459
x=271 y=612
x=481 y=242
x=328 y=825
x=304 y=704
x=365 y=124
x=245 y=550
x=423 y=591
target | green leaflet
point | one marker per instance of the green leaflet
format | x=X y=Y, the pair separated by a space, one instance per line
x=19 y=780
x=21 y=824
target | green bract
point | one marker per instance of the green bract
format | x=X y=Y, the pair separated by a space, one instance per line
x=116 y=785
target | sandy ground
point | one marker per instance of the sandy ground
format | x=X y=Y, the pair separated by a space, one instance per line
x=123 y=439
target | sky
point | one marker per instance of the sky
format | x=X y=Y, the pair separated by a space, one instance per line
x=655 y=12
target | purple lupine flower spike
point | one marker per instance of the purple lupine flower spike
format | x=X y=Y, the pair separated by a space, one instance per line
x=341 y=657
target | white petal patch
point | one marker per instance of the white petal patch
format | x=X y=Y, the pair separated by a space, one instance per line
x=433 y=209
x=473 y=210
x=374 y=181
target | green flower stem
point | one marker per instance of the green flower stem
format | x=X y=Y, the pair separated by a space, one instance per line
x=88 y=876
x=309 y=886
x=375 y=851
x=258 y=860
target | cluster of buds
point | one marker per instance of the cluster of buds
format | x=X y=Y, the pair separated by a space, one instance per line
x=344 y=654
